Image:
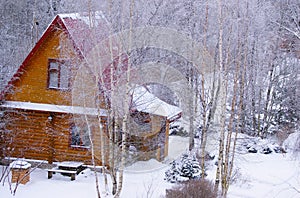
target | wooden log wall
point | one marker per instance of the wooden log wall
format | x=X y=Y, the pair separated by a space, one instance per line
x=34 y=136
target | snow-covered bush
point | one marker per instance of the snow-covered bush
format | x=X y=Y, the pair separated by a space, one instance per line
x=259 y=145
x=185 y=168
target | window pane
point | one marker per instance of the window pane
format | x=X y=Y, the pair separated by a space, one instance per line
x=85 y=137
x=80 y=136
x=75 y=136
x=64 y=77
x=53 y=79
x=53 y=65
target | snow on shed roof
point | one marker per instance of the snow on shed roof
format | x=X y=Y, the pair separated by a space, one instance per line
x=147 y=102
x=53 y=108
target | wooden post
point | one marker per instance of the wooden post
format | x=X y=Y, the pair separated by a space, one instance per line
x=166 y=145
x=50 y=174
x=72 y=176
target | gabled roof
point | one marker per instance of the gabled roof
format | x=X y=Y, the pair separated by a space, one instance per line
x=85 y=30
x=145 y=101
x=79 y=29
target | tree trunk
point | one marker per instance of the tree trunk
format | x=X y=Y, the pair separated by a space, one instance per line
x=223 y=95
x=126 y=107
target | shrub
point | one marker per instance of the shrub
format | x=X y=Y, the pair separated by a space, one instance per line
x=192 y=189
x=185 y=168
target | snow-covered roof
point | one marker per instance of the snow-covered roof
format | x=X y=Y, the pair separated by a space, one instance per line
x=86 y=17
x=146 y=102
x=53 y=108
x=19 y=164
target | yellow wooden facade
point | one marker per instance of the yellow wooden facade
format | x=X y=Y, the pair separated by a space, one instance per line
x=32 y=134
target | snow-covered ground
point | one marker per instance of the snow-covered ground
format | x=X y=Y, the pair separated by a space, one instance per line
x=266 y=176
x=274 y=175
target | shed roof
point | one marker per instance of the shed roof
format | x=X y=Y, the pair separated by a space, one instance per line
x=145 y=101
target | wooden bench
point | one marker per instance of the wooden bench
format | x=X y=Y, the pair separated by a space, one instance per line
x=56 y=170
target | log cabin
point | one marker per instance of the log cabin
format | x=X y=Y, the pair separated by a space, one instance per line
x=40 y=120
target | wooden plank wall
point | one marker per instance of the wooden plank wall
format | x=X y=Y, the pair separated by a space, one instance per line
x=27 y=137
x=32 y=135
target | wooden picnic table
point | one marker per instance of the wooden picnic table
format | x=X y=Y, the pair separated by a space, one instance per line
x=68 y=168
x=70 y=165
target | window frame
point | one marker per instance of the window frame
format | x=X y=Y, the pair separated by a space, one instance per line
x=75 y=146
x=50 y=71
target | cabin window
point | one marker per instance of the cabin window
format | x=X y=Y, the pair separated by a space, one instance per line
x=143 y=119
x=140 y=117
x=58 y=74
x=80 y=136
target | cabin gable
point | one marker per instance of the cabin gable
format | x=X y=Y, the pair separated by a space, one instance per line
x=33 y=83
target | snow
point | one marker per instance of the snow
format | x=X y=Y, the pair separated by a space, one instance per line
x=70 y=164
x=52 y=108
x=19 y=164
x=146 y=102
x=291 y=142
x=85 y=17
x=257 y=175
x=272 y=175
